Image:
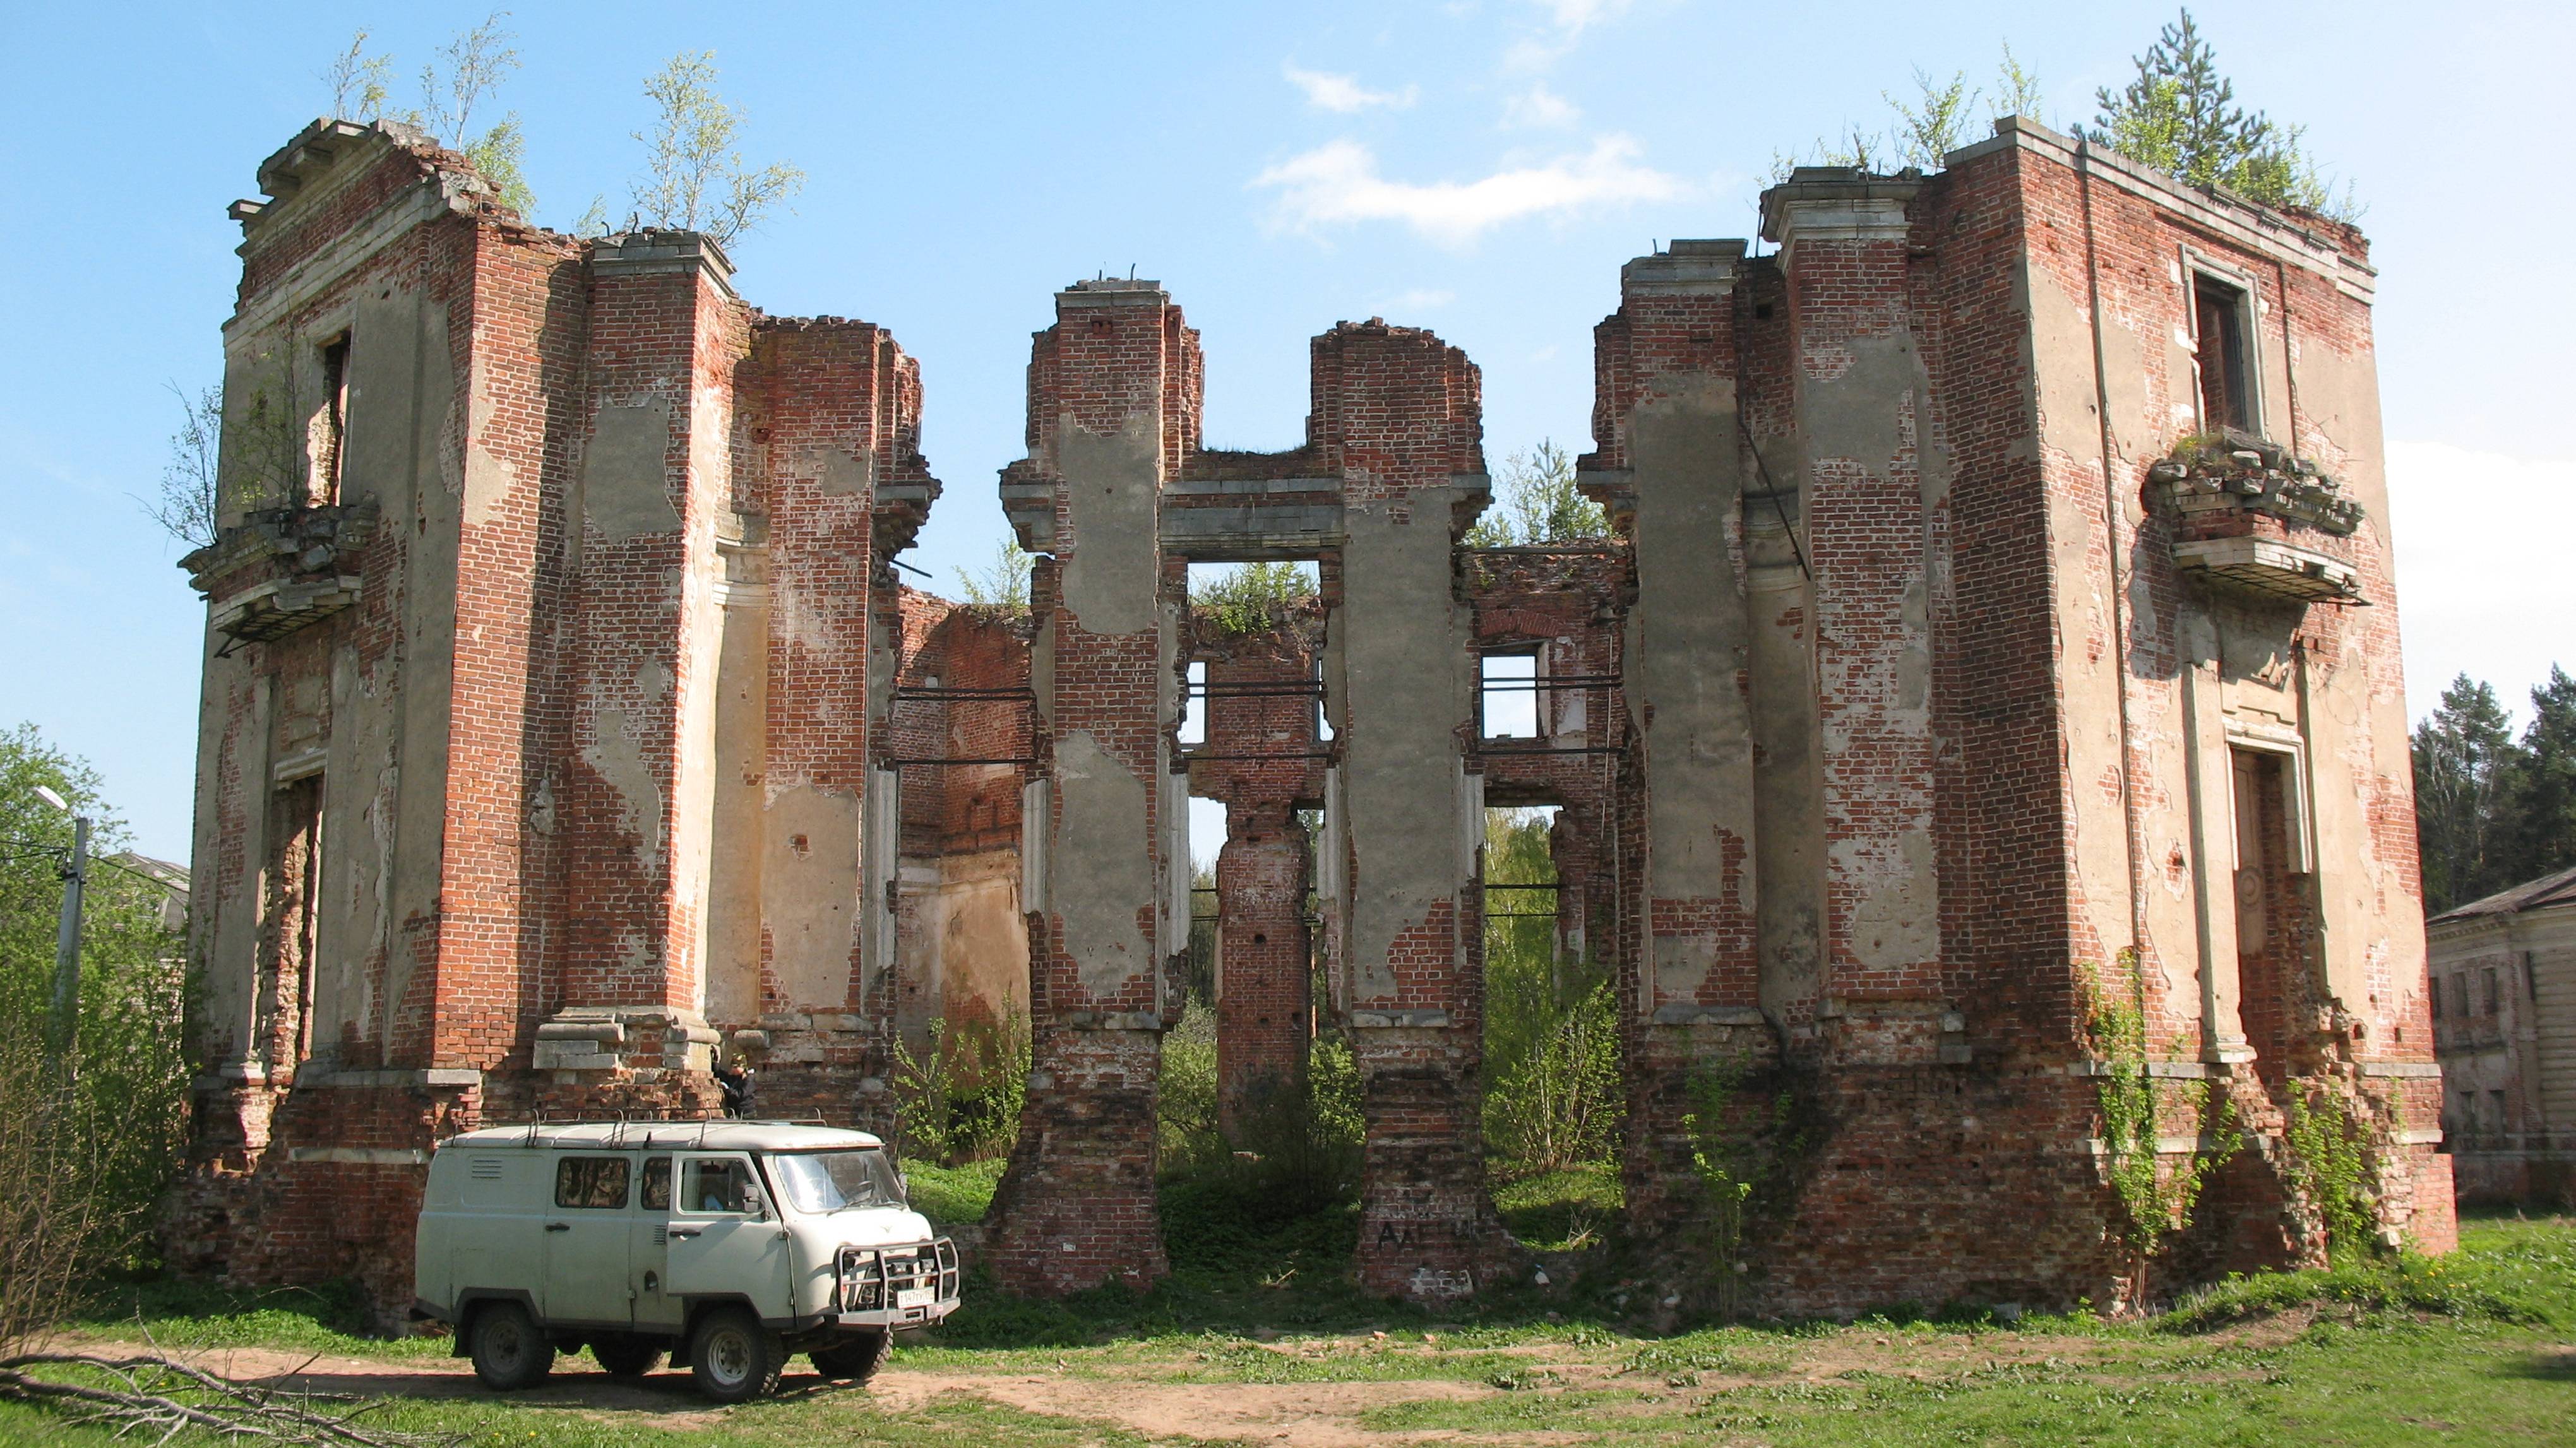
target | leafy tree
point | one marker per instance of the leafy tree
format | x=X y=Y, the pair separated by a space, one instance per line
x=2544 y=825
x=1925 y=129
x=185 y=506
x=132 y=1068
x=2180 y=115
x=2465 y=774
x=1004 y=585
x=357 y=81
x=695 y=179
x=1250 y=597
x=1935 y=123
x=2017 y=90
x=1540 y=503
x=453 y=88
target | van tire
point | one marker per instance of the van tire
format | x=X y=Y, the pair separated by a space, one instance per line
x=853 y=1358
x=626 y=1357
x=734 y=1358
x=510 y=1352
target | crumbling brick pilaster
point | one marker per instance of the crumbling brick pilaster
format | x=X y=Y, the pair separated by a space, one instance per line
x=1112 y=410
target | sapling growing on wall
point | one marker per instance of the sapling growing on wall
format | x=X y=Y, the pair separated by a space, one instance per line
x=185 y=506
x=1002 y=586
x=453 y=90
x=2179 y=114
x=1538 y=502
x=694 y=176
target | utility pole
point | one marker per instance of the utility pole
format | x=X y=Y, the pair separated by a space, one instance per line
x=65 y=1036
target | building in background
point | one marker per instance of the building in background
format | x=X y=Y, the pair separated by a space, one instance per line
x=2504 y=1025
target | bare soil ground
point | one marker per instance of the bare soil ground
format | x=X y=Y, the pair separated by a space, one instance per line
x=1168 y=1398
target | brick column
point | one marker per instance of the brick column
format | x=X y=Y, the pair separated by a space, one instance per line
x=666 y=335
x=1113 y=390
x=1862 y=409
x=1671 y=467
x=1398 y=413
x=839 y=407
x=1263 y=1010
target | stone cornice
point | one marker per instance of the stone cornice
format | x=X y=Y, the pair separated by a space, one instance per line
x=663 y=253
x=2224 y=213
x=1837 y=203
x=1686 y=268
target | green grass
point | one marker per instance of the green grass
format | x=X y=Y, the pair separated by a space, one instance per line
x=952 y=1194
x=2473 y=1348
x=331 y=1318
x=1562 y=1210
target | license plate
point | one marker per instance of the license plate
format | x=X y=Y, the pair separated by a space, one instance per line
x=916 y=1296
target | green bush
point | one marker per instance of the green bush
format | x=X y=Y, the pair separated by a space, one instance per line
x=959 y=1101
x=1552 y=1094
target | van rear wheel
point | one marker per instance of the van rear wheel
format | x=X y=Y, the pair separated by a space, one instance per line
x=509 y=1350
x=734 y=1358
x=853 y=1359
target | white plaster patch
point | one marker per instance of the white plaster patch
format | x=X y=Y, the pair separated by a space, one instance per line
x=1101 y=870
x=618 y=759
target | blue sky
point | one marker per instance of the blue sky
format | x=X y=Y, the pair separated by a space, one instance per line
x=1481 y=168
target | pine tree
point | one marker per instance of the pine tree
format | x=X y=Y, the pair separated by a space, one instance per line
x=2466 y=766
x=2180 y=115
x=2544 y=833
x=1540 y=502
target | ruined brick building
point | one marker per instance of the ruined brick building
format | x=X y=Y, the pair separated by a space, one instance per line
x=1999 y=624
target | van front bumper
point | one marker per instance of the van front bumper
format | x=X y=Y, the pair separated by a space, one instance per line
x=922 y=1316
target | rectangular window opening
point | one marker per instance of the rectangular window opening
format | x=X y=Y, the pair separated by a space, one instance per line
x=1195 y=706
x=2223 y=357
x=329 y=457
x=1508 y=696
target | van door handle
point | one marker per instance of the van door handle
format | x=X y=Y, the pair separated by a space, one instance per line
x=558 y=1226
x=677 y=1232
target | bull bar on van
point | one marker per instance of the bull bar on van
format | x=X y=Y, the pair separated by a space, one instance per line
x=895 y=1287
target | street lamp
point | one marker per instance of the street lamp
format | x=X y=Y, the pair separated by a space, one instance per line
x=65 y=1035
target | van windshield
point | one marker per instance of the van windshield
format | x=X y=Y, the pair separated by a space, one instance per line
x=828 y=1181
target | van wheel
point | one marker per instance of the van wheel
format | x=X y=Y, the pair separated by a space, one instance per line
x=734 y=1358
x=509 y=1352
x=626 y=1357
x=853 y=1359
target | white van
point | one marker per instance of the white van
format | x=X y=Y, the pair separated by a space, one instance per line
x=727 y=1244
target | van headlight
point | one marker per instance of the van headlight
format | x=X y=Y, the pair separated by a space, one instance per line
x=861 y=1280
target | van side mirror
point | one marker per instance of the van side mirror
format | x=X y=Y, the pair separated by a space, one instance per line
x=755 y=1201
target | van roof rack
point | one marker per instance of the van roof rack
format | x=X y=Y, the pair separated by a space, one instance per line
x=701 y=1117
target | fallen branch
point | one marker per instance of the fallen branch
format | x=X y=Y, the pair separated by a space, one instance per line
x=164 y=1395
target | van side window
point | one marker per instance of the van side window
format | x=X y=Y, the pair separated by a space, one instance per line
x=714 y=1186
x=657 y=1183
x=590 y=1181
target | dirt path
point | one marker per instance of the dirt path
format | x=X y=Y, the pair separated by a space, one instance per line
x=1143 y=1398
x=1300 y=1415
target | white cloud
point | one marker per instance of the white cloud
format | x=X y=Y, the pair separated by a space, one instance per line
x=1539 y=107
x=1563 y=25
x=1342 y=93
x=1575 y=16
x=1338 y=185
x=2481 y=577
